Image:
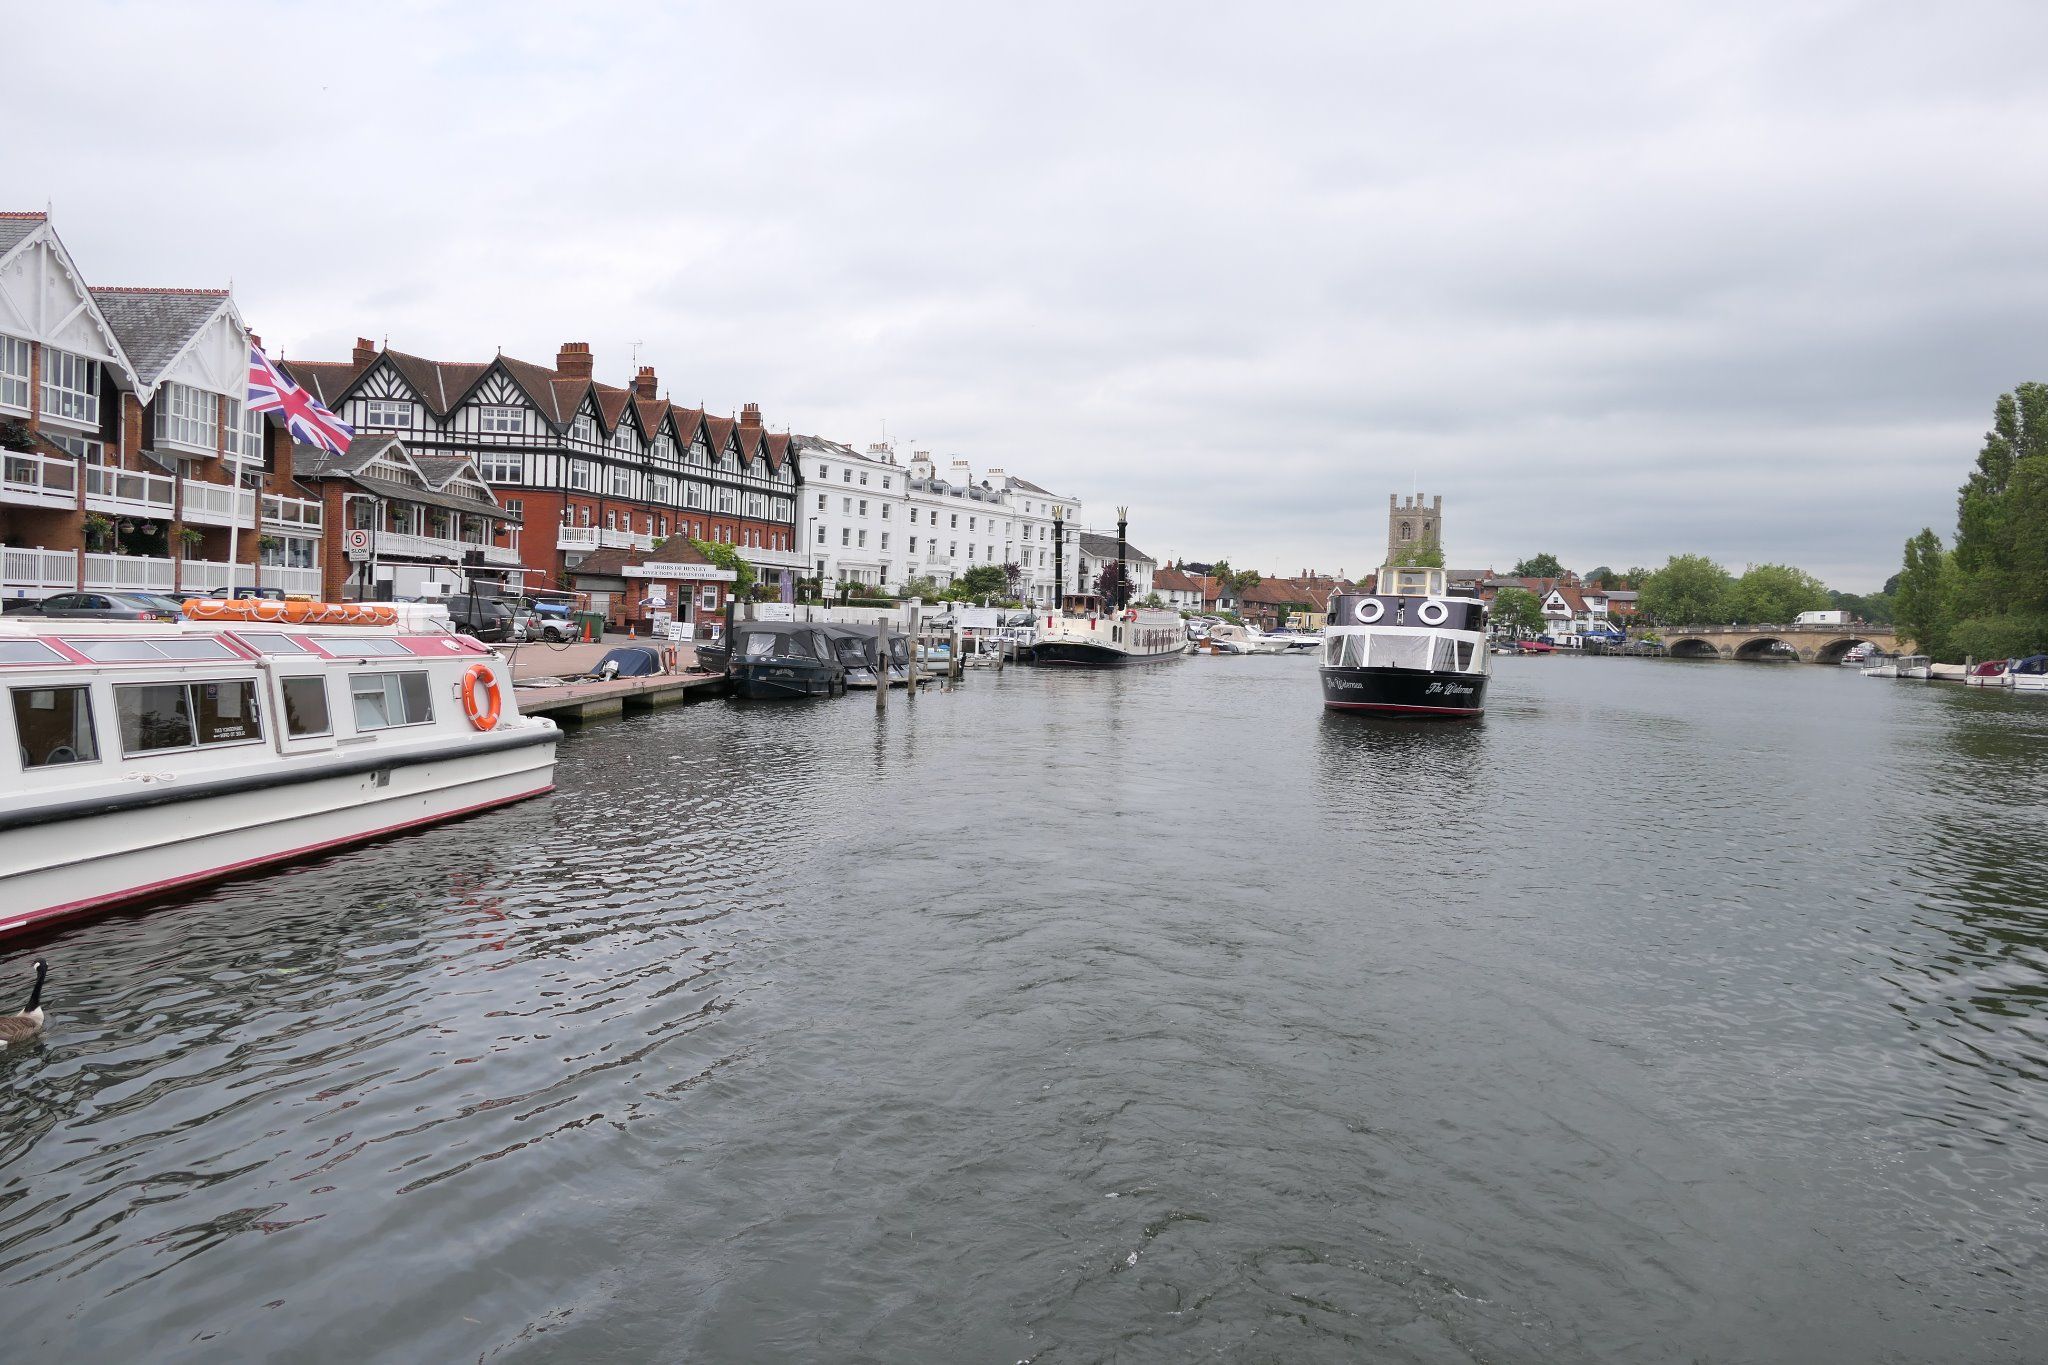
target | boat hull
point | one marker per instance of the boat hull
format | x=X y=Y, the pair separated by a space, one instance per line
x=1077 y=654
x=63 y=865
x=778 y=681
x=1413 y=693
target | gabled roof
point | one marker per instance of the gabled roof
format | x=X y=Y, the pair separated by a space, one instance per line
x=612 y=561
x=324 y=379
x=777 y=446
x=156 y=325
x=1173 y=580
x=438 y=472
x=718 y=433
x=1100 y=546
x=16 y=228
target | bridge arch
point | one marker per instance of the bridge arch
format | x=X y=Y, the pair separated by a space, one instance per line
x=1834 y=651
x=1693 y=647
x=1766 y=649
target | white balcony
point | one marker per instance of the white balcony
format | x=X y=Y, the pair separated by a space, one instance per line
x=794 y=559
x=37 y=480
x=576 y=538
x=37 y=573
x=586 y=538
x=625 y=540
x=392 y=543
x=290 y=515
x=215 y=504
x=130 y=491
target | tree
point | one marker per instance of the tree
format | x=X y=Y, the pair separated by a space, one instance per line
x=1922 y=602
x=1544 y=565
x=983 y=580
x=1418 y=554
x=1776 y=593
x=1152 y=599
x=1603 y=575
x=1113 y=584
x=1633 y=577
x=925 y=587
x=729 y=557
x=1233 y=581
x=1689 y=590
x=1519 y=610
x=1013 y=577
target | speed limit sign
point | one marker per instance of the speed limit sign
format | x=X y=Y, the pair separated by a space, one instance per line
x=356 y=540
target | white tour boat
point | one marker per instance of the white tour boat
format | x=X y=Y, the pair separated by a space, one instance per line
x=147 y=758
x=1899 y=666
x=1410 y=650
x=1088 y=634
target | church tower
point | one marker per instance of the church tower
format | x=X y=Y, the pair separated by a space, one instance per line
x=1410 y=521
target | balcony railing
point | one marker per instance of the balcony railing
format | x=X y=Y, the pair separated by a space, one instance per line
x=440 y=547
x=590 y=537
x=576 y=538
x=129 y=490
x=38 y=480
x=37 y=573
x=215 y=504
x=290 y=514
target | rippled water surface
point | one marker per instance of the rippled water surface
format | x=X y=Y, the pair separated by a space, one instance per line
x=1679 y=1012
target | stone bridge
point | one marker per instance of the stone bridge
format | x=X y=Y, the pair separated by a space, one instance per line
x=1813 y=644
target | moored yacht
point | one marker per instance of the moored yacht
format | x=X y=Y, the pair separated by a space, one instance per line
x=1087 y=634
x=147 y=758
x=1409 y=650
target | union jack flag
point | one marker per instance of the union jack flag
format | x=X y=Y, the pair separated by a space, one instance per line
x=309 y=420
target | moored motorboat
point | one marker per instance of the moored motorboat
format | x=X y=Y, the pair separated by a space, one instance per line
x=1991 y=673
x=2029 y=674
x=780 y=659
x=1898 y=666
x=148 y=758
x=1412 y=651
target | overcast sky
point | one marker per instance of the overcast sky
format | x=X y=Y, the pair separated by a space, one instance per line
x=1617 y=280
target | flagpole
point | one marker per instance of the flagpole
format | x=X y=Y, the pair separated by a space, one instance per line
x=234 y=523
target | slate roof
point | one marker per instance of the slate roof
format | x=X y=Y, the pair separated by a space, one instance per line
x=154 y=325
x=1173 y=580
x=16 y=227
x=611 y=561
x=311 y=462
x=1099 y=546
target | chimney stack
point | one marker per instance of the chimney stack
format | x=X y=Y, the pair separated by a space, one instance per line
x=574 y=360
x=750 y=417
x=366 y=351
x=645 y=385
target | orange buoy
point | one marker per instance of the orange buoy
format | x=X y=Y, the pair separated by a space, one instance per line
x=273 y=611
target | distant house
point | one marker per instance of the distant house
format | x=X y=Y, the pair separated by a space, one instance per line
x=1302 y=603
x=429 y=516
x=1181 y=590
x=1097 y=551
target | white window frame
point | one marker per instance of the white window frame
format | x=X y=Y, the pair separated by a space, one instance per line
x=501 y=421
x=581 y=477
x=501 y=466
x=387 y=412
x=14 y=371
x=71 y=388
x=585 y=428
x=188 y=418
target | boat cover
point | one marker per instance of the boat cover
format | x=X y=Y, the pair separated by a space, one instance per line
x=634 y=661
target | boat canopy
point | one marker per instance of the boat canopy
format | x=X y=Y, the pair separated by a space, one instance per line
x=2032 y=664
x=634 y=661
x=781 y=640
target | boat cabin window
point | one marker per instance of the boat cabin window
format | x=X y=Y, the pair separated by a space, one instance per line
x=159 y=716
x=267 y=643
x=53 y=726
x=761 y=644
x=305 y=707
x=363 y=646
x=384 y=701
x=28 y=652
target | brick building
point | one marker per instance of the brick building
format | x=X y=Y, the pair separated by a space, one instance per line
x=580 y=465
x=123 y=437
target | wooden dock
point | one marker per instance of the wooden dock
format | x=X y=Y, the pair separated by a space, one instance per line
x=580 y=701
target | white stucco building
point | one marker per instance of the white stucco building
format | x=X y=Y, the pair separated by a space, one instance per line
x=871 y=518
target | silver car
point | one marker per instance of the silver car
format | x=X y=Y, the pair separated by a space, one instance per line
x=108 y=606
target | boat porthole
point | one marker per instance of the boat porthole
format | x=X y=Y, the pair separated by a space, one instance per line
x=1369 y=611
x=1432 y=613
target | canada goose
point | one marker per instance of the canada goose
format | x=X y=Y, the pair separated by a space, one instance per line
x=19 y=1028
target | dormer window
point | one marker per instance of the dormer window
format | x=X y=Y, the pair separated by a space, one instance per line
x=623 y=438
x=188 y=418
x=387 y=412
x=71 y=387
x=585 y=428
x=501 y=421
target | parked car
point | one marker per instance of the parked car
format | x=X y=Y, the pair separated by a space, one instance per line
x=271 y=594
x=109 y=606
x=555 y=625
x=484 y=617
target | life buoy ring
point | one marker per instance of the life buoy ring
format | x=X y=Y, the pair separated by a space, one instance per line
x=1369 y=611
x=1131 y=615
x=483 y=717
x=1432 y=613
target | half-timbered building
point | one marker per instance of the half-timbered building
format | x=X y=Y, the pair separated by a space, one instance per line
x=127 y=460
x=580 y=464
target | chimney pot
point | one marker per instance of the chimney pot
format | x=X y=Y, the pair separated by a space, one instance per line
x=366 y=351
x=645 y=385
x=574 y=360
x=750 y=417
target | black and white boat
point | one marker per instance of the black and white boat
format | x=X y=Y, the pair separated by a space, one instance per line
x=1088 y=634
x=1411 y=650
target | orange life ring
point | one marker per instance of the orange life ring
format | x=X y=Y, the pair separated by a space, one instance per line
x=483 y=717
x=1131 y=615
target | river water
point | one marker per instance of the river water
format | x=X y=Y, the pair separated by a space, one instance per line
x=1679 y=1012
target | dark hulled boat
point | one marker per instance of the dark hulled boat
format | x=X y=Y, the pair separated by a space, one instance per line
x=1086 y=634
x=772 y=659
x=1414 y=652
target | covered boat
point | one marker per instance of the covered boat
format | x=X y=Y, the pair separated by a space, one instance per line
x=143 y=759
x=2030 y=674
x=1414 y=651
x=859 y=653
x=1991 y=673
x=773 y=659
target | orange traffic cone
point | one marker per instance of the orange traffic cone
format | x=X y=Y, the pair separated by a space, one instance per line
x=632 y=631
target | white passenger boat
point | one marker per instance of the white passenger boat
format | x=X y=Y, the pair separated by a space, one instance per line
x=1899 y=666
x=1087 y=633
x=1410 y=650
x=144 y=759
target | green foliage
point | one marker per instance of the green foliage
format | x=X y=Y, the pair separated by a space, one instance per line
x=1776 y=593
x=729 y=557
x=1690 y=590
x=1633 y=576
x=1519 y=610
x=1999 y=637
x=1233 y=581
x=1602 y=575
x=1152 y=599
x=1418 y=554
x=1924 y=599
x=925 y=587
x=1544 y=565
x=1875 y=607
x=983 y=580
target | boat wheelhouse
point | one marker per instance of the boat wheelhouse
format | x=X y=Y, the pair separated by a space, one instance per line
x=148 y=758
x=1412 y=650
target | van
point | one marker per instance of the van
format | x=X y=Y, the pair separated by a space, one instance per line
x=1821 y=618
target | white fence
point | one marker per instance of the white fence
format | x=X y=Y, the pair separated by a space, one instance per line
x=39 y=480
x=36 y=573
